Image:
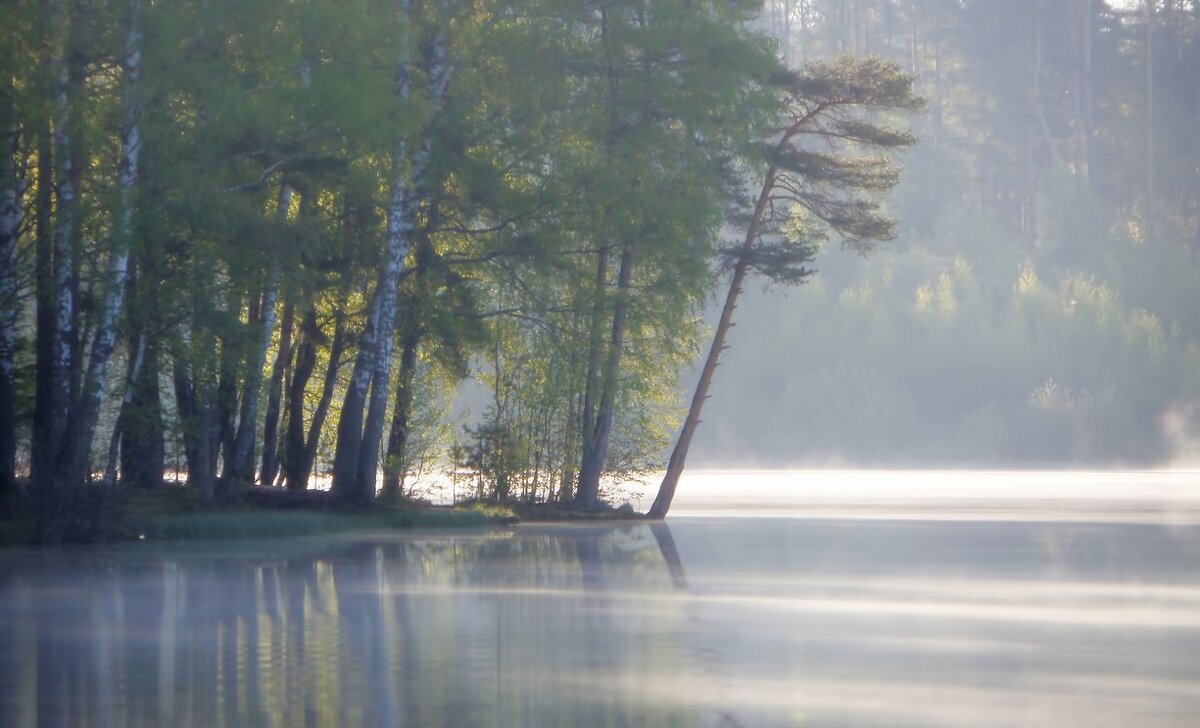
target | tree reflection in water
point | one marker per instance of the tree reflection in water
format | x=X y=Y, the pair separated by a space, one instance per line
x=503 y=628
x=775 y=621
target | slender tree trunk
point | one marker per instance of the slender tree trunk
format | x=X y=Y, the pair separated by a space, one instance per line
x=10 y=225
x=395 y=462
x=1151 y=174
x=670 y=481
x=116 y=451
x=197 y=415
x=356 y=458
x=336 y=349
x=55 y=408
x=242 y=471
x=302 y=370
x=594 y=457
x=270 y=460
x=1036 y=89
x=143 y=454
x=349 y=433
x=140 y=424
x=936 y=107
x=94 y=389
x=44 y=308
x=1087 y=103
x=591 y=389
x=300 y=451
x=225 y=404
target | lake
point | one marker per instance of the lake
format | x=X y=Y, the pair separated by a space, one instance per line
x=768 y=598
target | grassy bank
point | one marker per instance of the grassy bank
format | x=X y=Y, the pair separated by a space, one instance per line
x=174 y=514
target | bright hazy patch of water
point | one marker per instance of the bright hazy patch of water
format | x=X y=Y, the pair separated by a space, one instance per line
x=1171 y=496
x=913 y=599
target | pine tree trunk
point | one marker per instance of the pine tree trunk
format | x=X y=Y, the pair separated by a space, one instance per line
x=670 y=481
x=596 y=452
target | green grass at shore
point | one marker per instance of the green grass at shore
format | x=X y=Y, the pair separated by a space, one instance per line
x=266 y=523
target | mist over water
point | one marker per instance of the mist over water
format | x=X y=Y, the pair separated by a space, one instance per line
x=768 y=598
x=1166 y=496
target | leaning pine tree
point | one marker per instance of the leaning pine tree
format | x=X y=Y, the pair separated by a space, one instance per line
x=826 y=172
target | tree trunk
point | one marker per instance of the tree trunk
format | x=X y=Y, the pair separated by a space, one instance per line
x=591 y=390
x=197 y=414
x=597 y=450
x=356 y=458
x=143 y=455
x=1036 y=90
x=44 y=307
x=242 y=470
x=83 y=421
x=225 y=405
x=299 y=451
x=10 y=225
x=349 y=433
x=666 y=490
x=1086 y=96
x=270 y=460
x=54 y=410
x=336 y=349
x=137 y=354
x=140 y=424
x=1151 y=174
x=293 y=442
x=395 y=462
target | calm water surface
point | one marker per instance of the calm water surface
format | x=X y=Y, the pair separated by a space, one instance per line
x=1052 y=606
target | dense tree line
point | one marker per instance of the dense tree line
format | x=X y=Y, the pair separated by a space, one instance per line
x=249 y=241
x=1039 y=304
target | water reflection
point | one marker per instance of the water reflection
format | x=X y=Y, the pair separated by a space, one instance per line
x=709 y=622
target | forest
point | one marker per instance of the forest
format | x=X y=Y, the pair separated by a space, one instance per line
x=1040 y=305
x=283 y=243
x=263 y=243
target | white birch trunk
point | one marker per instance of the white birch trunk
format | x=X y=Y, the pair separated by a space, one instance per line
x=356 y=458
x=243 y=444
x=402 y=224
x=95 y=385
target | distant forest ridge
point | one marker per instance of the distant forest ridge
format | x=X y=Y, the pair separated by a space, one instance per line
x=1041 y=302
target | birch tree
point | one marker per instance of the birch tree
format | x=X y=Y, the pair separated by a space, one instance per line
x=356 y=460
x=75 y=460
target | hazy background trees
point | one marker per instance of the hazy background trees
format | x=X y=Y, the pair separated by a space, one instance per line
x=1041 y=303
